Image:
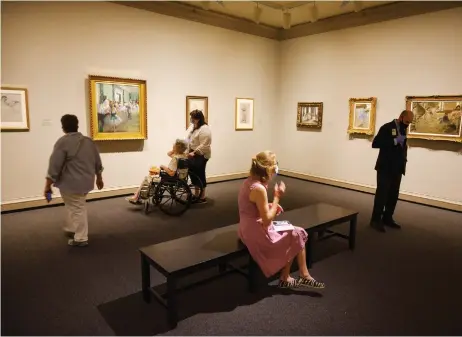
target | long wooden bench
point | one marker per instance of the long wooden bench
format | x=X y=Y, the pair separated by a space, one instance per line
x=178 y=258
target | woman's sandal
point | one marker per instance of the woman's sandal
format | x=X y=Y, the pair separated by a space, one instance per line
x=310 y=283
x=293 y=283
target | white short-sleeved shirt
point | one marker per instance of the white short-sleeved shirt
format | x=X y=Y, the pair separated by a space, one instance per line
x=173 y=165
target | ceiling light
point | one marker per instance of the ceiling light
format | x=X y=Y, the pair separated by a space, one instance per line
x=257 y=14
x=286 y=20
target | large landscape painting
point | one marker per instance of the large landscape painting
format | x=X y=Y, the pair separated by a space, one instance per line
x=435 y=117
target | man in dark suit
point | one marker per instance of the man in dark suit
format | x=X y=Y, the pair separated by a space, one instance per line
x=390 y=166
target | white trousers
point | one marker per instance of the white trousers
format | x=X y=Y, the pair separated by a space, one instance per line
x=77 y=220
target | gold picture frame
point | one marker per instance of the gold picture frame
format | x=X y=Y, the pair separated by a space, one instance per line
x=435 y=117
x=362 y=116
x=118 y=108
x=15 y=109
x=197 y=103
x=244 y=114
x=309 y=115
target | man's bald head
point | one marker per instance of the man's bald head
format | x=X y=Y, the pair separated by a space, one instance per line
x=406 y=117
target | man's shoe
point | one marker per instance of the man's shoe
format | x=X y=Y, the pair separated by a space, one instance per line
x=391 y=223
x=74 y=243
x=378 y=225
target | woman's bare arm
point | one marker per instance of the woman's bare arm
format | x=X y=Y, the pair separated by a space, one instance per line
x=171 y=173
x=260 y=197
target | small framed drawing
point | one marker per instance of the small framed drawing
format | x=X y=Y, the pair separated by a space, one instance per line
x=309 y=115
x=118 y=108
x=15 y=109
x=244 y=114
x=362 y=116
x=197 y=103
x=435 y=117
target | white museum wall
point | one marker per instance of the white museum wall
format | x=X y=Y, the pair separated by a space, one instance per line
x=419 y=55
x=51 y=47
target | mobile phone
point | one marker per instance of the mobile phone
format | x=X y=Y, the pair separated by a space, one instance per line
x=48 y=196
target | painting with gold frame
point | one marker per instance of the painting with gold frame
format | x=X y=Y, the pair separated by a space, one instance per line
x=14 y=109
x=362 y=116
x=309 y=115
x=197 y=103
x=435 y=117
x=244 y=114
x=118 y=108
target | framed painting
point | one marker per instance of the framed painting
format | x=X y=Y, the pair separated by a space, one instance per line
x=14 y=109
x=197 y=103
x=118 y=108
x=309 y=115
x=435 y=117
x=244 y=114
x=362 y=116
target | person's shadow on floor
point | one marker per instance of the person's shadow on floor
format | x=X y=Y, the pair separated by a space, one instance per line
x=131 y=316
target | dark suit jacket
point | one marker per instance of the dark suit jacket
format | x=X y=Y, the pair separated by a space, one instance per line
x=392 y=158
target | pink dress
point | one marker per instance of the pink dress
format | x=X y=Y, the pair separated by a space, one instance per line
x=271 y=250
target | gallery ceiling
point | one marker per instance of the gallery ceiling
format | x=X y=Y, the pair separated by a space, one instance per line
x=283 y=20
x=271 y=12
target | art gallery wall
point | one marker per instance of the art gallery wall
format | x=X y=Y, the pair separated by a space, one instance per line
x=51 y=47
x=419 y=55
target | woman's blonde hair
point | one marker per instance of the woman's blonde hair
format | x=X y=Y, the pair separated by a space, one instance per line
x=181 y=145
x=263 y=165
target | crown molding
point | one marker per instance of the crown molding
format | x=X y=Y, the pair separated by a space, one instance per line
x=392 y=11
x=367 y=16
x=207 y=17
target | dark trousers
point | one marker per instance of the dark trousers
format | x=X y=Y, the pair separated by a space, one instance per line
x=197 y=165
x=386 y=195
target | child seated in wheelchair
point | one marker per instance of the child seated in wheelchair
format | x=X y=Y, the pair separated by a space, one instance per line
x=155 y=174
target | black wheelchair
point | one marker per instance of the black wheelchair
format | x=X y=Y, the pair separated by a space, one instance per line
x=172 y=194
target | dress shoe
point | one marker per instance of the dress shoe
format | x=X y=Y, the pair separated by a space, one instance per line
x=378 y=225
x=391 y=223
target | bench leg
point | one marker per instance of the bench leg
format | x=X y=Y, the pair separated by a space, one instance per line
x=253 y=275
x=309 y=251
x=171 y=302
x=352 y=236
x=145 y=279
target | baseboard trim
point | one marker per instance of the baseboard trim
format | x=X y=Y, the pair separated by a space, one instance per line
x=406 y=196
x=39 y=202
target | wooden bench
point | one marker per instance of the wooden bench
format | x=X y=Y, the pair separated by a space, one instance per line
x=180 y=257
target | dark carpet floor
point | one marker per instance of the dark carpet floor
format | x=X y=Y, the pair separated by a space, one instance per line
x=406 y=282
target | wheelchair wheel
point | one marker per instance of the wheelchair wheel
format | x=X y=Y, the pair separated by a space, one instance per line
x=173 y=196
x=193 y=188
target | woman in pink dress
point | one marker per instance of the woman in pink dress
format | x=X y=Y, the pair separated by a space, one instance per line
x=273 y=251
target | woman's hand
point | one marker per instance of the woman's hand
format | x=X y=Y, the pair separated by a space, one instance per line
x=191 y=154
x=279 y=189
x=279 y=210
